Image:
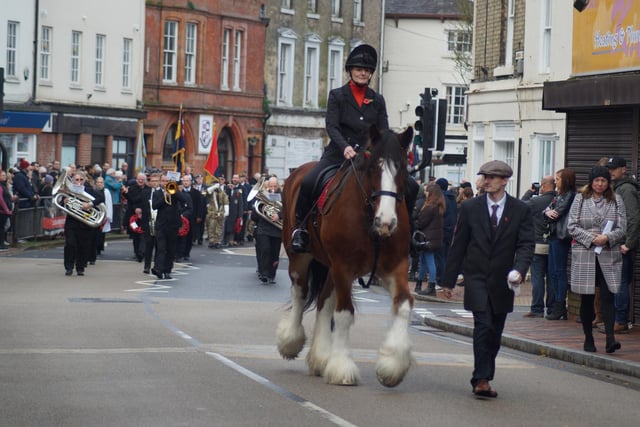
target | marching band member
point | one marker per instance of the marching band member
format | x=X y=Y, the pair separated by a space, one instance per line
x=106 y=227
x=150 y=214
x=268 y=236
x=77 y=233
x=170 y=209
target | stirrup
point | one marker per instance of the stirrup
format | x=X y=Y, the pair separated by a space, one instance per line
x=300 y=240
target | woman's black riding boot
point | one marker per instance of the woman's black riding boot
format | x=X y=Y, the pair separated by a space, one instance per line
x=300 y=236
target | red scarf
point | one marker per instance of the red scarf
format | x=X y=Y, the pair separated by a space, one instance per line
x=358 y=92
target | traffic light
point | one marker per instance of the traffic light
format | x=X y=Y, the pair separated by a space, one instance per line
x=442 y=124
x=426 y=114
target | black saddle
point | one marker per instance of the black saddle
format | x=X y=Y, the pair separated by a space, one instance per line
x=323 y=178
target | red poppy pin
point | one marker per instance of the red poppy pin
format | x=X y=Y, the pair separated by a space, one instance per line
x=505 y=219
x=367 y=101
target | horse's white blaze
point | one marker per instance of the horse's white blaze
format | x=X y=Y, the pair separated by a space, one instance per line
x=341 y=369
x=320 y=349
x=290 y=332
x=386 y=219
x=394 y=356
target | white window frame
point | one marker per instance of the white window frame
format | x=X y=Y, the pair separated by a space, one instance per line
x=190 y=50
x=224 y=72
x=334 y=64
x=170 y=51
x=357 y=11
x=312 y=6
x=459 y=42
x=45 y=53
x=504 y=146
x=545 y=42
x=101 y=46
x=543 y=157
x=237 y=58
x=335 y=8
x=456 y=104
x=127 y=43
x=511 y=17
x=478 y=144
x=311 y=71
x=286 y=59
x=76 y=51
x=11 y=67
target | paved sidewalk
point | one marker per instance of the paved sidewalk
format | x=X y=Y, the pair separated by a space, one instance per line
x=558 y=339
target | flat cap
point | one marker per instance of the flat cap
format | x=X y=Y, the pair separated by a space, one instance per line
x=496 y=168
x=616 y=162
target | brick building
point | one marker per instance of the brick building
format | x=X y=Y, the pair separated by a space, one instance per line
x=208 y=57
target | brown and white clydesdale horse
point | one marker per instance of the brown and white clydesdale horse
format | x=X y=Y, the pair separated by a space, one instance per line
x=362 y=228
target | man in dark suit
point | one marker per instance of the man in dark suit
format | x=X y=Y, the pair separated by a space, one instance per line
x=168 y=222
x=185 y=243
x=493 y=241
x=137 y=196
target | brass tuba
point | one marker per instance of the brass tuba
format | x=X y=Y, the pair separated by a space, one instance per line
x=71 y=202
x=264 y=206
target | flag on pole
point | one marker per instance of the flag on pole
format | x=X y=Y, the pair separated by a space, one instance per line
x=178 y=146
x=141 y=151
x=212 y=161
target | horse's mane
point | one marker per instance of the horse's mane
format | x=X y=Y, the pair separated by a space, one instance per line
x=384 y=145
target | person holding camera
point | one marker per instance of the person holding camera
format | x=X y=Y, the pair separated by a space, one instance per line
x=538 y=198
x=430 y=225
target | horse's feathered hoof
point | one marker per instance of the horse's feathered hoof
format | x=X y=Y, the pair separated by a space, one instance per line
x=290 y=340
x=392 y=366
x=341 y=370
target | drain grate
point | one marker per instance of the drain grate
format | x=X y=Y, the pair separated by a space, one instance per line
x=108 y=300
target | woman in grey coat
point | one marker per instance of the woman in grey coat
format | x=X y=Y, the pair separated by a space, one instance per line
x=597 y=223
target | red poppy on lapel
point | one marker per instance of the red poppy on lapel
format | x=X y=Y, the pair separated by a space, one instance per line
x=506 y=219
x=367 y=101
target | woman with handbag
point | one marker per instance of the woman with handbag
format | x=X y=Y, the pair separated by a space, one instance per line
x=557 y=215
x=431 y=226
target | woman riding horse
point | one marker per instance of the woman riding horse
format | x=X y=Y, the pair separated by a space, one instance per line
x=351 y=110
x=362 y=227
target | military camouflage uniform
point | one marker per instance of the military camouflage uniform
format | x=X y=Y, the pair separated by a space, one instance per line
x=217 y=200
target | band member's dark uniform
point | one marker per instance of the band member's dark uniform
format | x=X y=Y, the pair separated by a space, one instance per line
x=148 y=223
x=77 y=234
x=168 y=222
x=185 y=243
x=268 y=236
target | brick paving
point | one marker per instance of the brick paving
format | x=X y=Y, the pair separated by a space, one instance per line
x=560 y=339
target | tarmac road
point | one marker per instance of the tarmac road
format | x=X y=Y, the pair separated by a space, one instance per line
x=118 y=348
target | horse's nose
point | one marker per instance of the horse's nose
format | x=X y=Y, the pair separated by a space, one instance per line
x=385 y=228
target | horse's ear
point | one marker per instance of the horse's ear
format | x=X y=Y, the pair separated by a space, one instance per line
x=406 y=137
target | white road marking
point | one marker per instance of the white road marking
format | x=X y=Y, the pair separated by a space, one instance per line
x=462 y=312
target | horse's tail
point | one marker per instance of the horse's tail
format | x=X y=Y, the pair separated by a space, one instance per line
x=317 y=278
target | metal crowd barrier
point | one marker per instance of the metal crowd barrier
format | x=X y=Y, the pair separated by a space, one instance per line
x=46 y=221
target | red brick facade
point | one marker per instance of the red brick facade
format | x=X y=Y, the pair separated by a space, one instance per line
x=237 y=111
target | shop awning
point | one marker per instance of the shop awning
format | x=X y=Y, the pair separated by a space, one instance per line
x=23 y=121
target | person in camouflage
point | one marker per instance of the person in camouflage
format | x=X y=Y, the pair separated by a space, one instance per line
x=217 y=209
